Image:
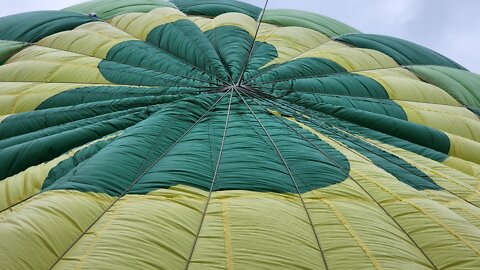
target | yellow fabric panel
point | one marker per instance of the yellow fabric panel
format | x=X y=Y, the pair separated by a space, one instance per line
x=240 y=20
x=354 y=224
x=464 y=148
x=252 y=230
x=462 y=187
x=457 y=111
x=41 y=64
x=455 y=120
x=92 y=39
x=153 y=231
x=400 y=86
x=291 y=41
x=366 y=234
x=214 y=248
x=232 y=236
x=140 y=24
x=361 y=220
x=400 y=72
x=352 y=59
x=201 y=22
x=420 y=213
x=266 y=29
x=460 y=238
x=36 y=232
x=16 y=97
x=25 y=184
x=464 y=166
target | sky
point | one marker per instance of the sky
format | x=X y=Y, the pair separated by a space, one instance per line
x=450 y=27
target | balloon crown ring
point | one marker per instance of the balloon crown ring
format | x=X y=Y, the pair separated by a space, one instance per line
x=249 y=90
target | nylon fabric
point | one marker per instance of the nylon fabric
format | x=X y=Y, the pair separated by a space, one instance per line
x=108 y=9
x=215 y=134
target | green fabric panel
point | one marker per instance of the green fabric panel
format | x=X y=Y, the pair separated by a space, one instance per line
x=233 y=46
x=22 y=123
x=106 y=9
x=186 y=41
x=402 y=170
x=114 y=168
x=71 y=164
x=129 y=75
x=415 y=133
x=460 y=84
x=347 y=84
x=322 y=24
x=378 y=106
x=144 y=55
x=21 y=156
x=299 y=68
x=213 y=8
x=33 y=26
x=91 y=94
x=66 y=127
x=311 y=168
x=369 y=133
x=261 y=168
x=402 y=51
x=9 y=48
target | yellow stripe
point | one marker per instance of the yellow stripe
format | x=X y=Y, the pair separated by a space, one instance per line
x=267 y=229
x=400 y=85
x=464 y=148
x=93 y=39
x=228 y=235
x=141 y=24
x=289 y=42
x=41 y=64
x=355 y=205
x=159 y=226
x=460 y=184
x=16 y=97
x=464 y=166
x=454 y=120
x=240 y=20
x=420 y=212
x=354 y=234
x=352 y=59
x=35 y=233
x=201 y=22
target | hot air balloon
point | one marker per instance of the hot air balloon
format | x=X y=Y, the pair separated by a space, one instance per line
x=214 y=134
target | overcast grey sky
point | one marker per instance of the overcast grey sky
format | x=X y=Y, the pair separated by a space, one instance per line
x=450 y=27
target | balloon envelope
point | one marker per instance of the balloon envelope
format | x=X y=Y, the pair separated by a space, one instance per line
x=146 y=134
